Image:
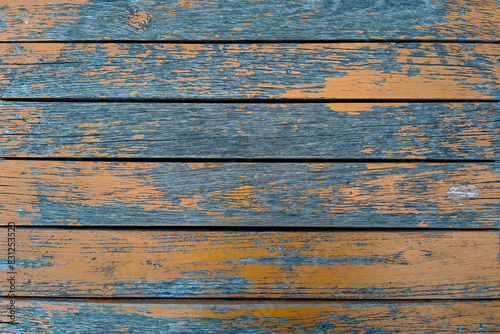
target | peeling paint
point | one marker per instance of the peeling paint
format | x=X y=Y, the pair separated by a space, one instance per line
x=253 y=264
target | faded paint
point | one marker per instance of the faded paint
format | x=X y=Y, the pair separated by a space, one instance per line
x=19 y=121
x=32 y=53
x=272 y=264
x=362 y=70
x=193 y=3
x=434 y=20
x=375 y=188
x=358 y=108
x=477 y=136
x=464 y=192
x=438 y=131
x=483 y=14
x=139 y=19
x=25 y=18
x=282 y=317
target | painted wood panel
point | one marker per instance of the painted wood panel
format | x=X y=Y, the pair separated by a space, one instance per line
x=262 y=71
x=334 y=130
x=225 y=264
x=253 y=20
x=49 y=316
x=250 y=194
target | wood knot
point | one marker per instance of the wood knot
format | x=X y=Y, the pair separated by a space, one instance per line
x=139 y=20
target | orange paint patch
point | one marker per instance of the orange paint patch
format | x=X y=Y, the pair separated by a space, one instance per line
x=472 y=188
x=482 y=137
x=18 y=120
x=189 y=4
x=31 y=53
x=36 y=16
x=357 y=85
x=88 y=188
x=95 y=263
x=356 y=108
x=432 y=82
x=317 y=167
x=390 y=194
x=484 y=14
x=242 y=197
x=194 y=166
x=283 y=317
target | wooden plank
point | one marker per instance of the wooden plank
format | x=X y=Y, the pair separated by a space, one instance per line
x=303 y=71
x=258 y=194
x=253 y=20
x=236 y=264
x=335 y=130
x=48 y=316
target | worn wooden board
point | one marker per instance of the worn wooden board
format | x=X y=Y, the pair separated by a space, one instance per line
x=250 y=194
x=225 y=264
x=65 y=316
x=253 y=20
x=262 y=71
x=323 y=50
x=229 y=130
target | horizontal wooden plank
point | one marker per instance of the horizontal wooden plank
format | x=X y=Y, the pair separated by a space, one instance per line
x=208 y=264
x=254 y=20
x=258 y=194
x=48 y=316
x=335 y=130
x=302 y=71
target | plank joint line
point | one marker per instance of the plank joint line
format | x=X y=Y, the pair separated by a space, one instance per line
x=255 y=41
x=249 y=160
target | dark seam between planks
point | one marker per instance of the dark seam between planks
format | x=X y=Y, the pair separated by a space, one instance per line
x=256 y=229
x=283 y=160
x=243 y=300
x=263 y=41
x=235 y=100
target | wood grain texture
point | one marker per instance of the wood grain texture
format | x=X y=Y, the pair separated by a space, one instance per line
x=208 y=264
x=303 y=71
x=254 y=20
x=48 y=316
x=258 y=194
x=186 y=280
x=335 y=130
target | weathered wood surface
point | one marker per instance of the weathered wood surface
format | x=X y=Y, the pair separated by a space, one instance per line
x=49 y=316
x=256 y=194
x=334 y=130
x=253 y=20
x=208 y=264
x=302 y=50
x=325 y=71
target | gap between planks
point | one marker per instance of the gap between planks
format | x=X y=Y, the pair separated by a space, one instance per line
x=276 y=265
x=256 y=229
x=228 y=300
x=262 y=160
